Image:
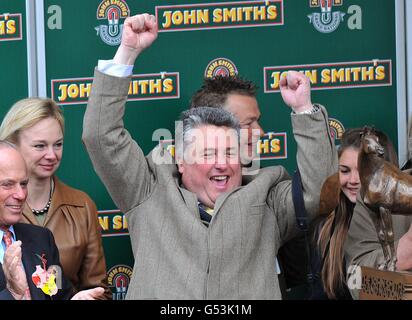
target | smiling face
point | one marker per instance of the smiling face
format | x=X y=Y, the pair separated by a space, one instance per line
x=13 y=186
x=211 y=163
x=349 y=174
x=245 y=109
x=41 y=146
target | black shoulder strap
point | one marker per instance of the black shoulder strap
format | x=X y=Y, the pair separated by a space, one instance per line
x=299 y=204
x=302 y=221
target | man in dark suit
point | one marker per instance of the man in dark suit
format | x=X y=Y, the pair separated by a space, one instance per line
x=25 y=248
x=37 y=241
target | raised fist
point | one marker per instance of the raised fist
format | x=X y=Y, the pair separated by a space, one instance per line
x=139 y=32
x=295 y=90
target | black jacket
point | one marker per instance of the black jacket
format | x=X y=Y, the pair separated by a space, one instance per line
x=36 y=241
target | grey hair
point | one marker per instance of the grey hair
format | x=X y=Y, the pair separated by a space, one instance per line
x=200 y=116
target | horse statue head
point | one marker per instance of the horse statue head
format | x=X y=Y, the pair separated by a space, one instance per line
x=370 y=142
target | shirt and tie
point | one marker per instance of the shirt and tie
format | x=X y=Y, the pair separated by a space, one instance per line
x=206 y=214
x=8 y=237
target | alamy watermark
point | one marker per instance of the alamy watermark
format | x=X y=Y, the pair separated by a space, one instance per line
x=209 y=145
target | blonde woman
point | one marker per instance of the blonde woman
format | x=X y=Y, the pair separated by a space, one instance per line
x=36 y=127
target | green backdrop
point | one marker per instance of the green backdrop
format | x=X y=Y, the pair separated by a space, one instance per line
x=13 y=54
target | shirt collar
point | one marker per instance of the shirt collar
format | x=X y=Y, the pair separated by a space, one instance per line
x=11 y=229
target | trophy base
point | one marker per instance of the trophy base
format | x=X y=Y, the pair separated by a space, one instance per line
x=385 y=285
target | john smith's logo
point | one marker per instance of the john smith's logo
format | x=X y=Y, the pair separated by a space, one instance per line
x=327 y=20
x=118 y=278
x=113 y=12
x=336 y=129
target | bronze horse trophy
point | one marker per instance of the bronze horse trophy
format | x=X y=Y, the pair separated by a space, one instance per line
x=385 y=189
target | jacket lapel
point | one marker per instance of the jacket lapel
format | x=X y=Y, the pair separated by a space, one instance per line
x=30 y=260
x=29 y=216
x=61 y=196
x=190 y=201
x=222 y=198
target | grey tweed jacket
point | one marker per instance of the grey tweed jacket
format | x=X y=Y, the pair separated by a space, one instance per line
x=176 y=256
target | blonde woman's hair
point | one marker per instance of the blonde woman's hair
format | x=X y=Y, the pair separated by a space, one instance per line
x=25 y=114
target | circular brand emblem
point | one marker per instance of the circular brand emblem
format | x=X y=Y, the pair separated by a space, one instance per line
x=336 y=128
x=220 y=67
x=113 y=13
x=118 y=278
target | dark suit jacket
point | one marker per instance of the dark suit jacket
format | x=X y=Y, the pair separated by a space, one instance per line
x=36 y=240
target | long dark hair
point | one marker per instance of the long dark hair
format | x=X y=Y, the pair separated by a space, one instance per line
x=333 y=232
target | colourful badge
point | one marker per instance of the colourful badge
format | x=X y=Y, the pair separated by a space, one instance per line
x=45 y=279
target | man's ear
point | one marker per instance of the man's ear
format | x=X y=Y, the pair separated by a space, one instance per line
x=179 y=164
